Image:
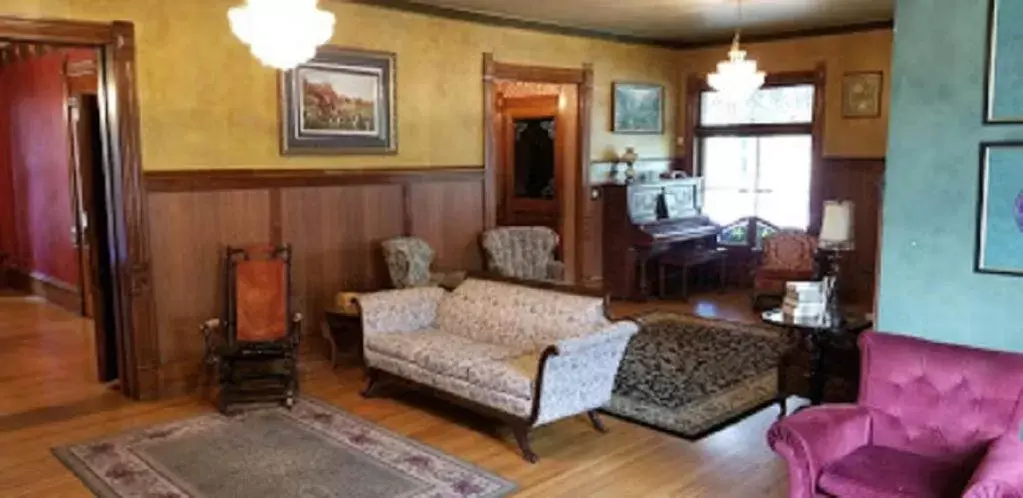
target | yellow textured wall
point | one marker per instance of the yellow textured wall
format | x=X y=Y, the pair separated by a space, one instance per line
x=206 y=103
x=866 y=51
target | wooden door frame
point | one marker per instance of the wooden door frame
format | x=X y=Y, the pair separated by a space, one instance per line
x=135 y=329
x=582 y=78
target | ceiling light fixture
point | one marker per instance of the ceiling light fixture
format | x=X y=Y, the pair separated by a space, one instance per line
x=282 y=33
x=736 y=78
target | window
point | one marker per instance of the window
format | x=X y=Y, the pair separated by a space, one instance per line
x=756 y=159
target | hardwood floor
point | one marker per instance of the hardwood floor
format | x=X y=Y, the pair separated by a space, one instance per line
x=49 y=397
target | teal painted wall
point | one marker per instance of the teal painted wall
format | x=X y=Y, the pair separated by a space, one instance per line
x=927 y=285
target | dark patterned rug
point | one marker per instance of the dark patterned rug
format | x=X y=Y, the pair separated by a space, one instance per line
x=312 y=451
x=691 y=376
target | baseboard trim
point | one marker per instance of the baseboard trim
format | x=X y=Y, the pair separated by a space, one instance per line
x=53 y=290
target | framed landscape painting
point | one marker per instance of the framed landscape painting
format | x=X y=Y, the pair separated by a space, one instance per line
x=340 y=102
x=1000 y=209
x=637 y=108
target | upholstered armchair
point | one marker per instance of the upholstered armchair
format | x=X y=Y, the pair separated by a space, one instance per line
x=788 y=256
x=523 y=252
x=933 y=420
x=409 y=260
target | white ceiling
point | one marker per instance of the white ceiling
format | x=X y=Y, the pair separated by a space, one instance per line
x=681 y=20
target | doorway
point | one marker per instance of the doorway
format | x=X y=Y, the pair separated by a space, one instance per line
x=93 y=231
x=537 y=129
x=52 y=171
x=105 y=216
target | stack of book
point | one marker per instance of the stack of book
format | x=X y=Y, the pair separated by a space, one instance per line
x=803 y=299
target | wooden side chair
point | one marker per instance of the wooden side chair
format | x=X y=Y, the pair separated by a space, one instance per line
x=788 y=255
x=255 y=342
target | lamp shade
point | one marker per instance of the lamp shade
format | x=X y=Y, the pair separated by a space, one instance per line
x=837 y=226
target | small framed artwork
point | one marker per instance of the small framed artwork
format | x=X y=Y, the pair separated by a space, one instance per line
x=637 y=108
x=340 y=102
x=861 y=94
x=1003 y=101
x=1000 y=209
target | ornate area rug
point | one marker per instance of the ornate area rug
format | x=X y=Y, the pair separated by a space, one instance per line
x=313 y=451
x=692 y=376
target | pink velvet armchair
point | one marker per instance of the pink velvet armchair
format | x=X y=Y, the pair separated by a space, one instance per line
x=932 y=420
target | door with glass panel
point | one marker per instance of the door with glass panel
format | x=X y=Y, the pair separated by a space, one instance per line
x=756 y=157
x=530 y=173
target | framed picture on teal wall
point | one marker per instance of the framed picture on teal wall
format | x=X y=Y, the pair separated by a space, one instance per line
x=1003 y=100
x=1000 y=209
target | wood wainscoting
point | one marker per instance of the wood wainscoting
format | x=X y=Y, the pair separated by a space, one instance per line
x=334 y=221
x=859 y=180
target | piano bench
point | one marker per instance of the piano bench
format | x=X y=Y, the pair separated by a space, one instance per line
x=689 y=259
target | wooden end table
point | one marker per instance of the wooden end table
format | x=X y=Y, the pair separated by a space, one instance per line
x=824 y=364
x=342 y=328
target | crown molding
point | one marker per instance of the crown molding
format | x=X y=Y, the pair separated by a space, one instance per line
x=559 y=29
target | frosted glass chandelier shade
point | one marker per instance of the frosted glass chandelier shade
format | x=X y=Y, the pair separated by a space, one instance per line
x=282 y=33
x=736 y=78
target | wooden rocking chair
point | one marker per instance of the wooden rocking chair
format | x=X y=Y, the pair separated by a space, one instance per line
x=256 y=340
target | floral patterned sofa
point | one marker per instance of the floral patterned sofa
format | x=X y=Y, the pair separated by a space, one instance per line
x=526 y=355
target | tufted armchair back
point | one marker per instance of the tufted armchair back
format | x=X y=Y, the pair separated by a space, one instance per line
x=521 y=252
x=939 y=399
x=408 y=261
x=789 y=250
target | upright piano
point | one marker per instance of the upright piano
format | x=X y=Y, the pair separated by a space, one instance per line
x=644 y=220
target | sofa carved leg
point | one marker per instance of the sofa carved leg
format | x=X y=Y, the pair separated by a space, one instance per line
x=596 y=421
x=372 y=384
x=521 y=432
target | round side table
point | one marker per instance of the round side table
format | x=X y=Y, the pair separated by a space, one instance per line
x=826 y=345
x=342 y=329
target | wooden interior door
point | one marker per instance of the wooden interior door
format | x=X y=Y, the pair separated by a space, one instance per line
x=81 y=161
x=90 y=204
x=531 y=176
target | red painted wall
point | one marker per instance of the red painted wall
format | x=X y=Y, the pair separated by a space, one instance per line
x=8 y=230
x=38 y=159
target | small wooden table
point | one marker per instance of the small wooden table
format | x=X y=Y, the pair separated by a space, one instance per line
x=824 y=365
x=342 y=328
x=688 y=259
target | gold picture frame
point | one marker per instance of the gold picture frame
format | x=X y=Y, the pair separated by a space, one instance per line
x=861 y=94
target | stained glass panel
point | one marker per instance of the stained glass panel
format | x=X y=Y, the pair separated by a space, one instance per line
x=734 y=234
x=772 y=105
x=534 y=158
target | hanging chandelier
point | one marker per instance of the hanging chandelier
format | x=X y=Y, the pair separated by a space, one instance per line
x=736 y=78
x=282 y=33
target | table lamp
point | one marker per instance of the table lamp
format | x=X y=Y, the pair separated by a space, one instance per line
x=835 y=238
